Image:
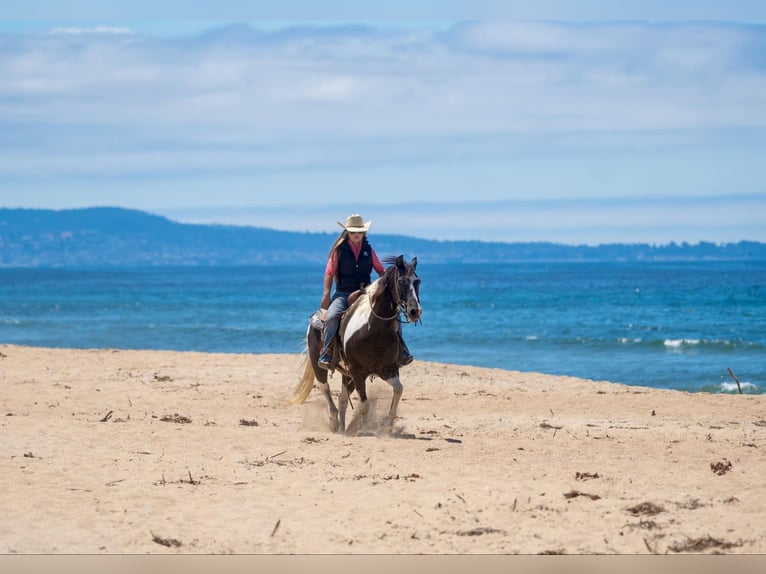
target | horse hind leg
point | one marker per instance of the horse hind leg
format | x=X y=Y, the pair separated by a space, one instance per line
x=343 y=401
x=314 y=343
x=324 y=387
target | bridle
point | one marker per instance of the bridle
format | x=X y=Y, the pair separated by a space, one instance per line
x=398 y=303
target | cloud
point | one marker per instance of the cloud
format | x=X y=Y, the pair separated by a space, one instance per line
x=479 y=77
x=485 y=109
x=77 y=31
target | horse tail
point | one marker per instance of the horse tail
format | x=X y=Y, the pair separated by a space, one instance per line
x=303 y=389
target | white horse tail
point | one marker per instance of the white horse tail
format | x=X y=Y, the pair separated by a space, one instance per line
x=303 y=389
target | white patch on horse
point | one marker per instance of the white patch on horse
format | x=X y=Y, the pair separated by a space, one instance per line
x=361 y=316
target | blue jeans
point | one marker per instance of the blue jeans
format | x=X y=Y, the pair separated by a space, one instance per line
x=338 y=304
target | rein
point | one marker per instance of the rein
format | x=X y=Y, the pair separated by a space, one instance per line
x=394 y=316
x=398 y=305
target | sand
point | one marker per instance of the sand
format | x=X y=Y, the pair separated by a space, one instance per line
x=154 y=452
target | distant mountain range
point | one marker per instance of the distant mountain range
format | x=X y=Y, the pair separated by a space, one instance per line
x=105 y=236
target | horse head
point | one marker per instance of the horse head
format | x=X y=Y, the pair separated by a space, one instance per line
x=408 y=288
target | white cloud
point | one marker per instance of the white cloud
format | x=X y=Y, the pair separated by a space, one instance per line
x=77 y=31
x=490 y=110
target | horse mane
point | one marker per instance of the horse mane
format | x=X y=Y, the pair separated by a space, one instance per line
x=390 y=263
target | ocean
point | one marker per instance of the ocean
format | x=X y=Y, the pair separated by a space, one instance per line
x=669 y=325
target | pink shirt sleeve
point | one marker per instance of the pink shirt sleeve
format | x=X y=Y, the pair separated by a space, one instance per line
x=376 y=264
x=332 y=265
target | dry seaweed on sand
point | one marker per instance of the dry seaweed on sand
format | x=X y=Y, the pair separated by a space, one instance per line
x=703 y=543
x=721 y=467
x=175 y=418
x=646 y=509
x=169 y=542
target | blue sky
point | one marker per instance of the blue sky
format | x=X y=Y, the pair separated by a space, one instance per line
x=579 y=122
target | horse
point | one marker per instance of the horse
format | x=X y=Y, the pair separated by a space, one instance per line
x=367 y=343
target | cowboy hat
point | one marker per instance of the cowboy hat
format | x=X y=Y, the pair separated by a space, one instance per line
x=355 y=224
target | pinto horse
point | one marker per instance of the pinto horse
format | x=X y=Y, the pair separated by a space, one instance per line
x=368 y=342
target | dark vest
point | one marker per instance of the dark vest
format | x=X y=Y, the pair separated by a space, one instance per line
x=352 y=273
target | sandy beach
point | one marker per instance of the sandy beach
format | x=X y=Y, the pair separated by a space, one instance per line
x=137 y=452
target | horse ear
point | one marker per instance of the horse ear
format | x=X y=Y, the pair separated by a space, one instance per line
x=400 y=261
x=414 y=263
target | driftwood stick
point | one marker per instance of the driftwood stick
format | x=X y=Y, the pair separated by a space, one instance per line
x=735 y=380
x=276 y=526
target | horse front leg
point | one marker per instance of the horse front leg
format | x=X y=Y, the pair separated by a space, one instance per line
x=359 y=379
x=398 y=389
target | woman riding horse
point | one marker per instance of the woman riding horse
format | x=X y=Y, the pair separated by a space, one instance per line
x=349 y=266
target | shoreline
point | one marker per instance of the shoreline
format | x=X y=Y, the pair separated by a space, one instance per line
x=725 y=387
x=182 y=452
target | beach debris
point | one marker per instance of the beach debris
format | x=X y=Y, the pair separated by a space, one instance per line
x=246 y=423
x=649 y=546
x=576 y=493
x=703 y=543
x=691 y=504
x=190 y=481
x=276 y=526
x=107 y=416
x=296 y=462
x=586 y=475
x=162 y=378
x=646 y=508
x=736 y=380
x=376 y=478
x=547 y=425
x=480 y=531
x=643 y=525
x=312 y=440
x=175 y=418
x=165 y=541
x=721 y=467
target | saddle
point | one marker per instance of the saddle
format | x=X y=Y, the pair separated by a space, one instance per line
x=316 y=320
x=317 y=323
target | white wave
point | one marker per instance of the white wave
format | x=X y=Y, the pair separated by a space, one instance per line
x=677 y=343
x=732 y=387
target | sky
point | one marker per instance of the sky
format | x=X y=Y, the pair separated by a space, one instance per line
x=576 y=122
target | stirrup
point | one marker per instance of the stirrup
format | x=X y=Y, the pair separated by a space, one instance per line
x=324 y=361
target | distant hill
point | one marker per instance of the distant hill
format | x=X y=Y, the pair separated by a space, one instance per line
x=105 y=236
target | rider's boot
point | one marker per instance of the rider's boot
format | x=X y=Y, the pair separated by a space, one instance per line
x=405 y=358
x=325 y=359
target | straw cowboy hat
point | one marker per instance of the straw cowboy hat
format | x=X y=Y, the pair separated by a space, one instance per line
x=355 y=224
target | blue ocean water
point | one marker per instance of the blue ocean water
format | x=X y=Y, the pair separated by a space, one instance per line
x=665 y=325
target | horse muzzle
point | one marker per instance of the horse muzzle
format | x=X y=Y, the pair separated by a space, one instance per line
x=413 y=314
